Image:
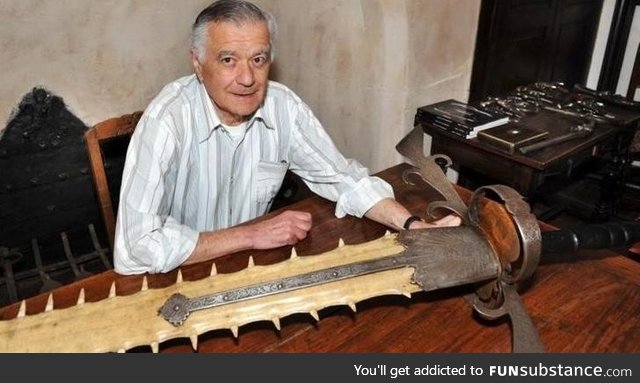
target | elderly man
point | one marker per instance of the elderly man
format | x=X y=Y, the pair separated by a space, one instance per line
x=211 y=151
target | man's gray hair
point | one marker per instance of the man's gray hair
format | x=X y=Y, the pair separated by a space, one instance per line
x=236 y=11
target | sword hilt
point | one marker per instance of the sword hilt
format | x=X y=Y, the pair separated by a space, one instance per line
x=594 y=236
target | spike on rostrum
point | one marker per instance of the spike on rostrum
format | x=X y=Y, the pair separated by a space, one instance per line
x=406 y=294
x=145 y=284
x=276 y=322
x=270 y=308
x=112 y=290
x=194 y=341
x=80 y=300
x=22 y=311
x=340 y=243
x=179 y=277
x=49 y=306
x=251 y=263
x=214 y=270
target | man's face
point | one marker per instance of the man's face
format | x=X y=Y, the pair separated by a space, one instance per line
x=235 y=68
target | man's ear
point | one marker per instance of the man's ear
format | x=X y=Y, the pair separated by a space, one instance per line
x=196 y=64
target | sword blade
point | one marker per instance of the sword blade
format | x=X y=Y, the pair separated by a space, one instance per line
x=440 y=258
x=435 y=258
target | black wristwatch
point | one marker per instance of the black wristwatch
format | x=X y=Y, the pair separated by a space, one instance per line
x=411 y=220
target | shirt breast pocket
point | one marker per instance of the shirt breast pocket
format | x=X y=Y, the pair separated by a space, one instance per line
x=268 y=181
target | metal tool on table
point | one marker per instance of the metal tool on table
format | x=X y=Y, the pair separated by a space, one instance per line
x=527 y=99
x=576 y=131
x=607 y=97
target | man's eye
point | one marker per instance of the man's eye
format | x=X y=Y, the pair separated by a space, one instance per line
x=260 y=60
x=226 y=60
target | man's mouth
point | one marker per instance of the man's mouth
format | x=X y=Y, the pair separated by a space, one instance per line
x=245 y=94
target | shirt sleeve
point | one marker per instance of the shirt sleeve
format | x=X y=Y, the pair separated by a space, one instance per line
x=147 y=238
x=315 y=158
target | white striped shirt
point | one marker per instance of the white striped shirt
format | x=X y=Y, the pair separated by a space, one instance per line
x=185 y=174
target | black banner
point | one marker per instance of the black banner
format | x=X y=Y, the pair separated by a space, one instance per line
x=305 y=368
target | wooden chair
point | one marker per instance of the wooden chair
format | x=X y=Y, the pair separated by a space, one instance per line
x=105 y=130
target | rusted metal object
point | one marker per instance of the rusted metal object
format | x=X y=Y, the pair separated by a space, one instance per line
x=17 y=281
x=511 y=229
x=45 y=187
x=430 y=171
x=500 y=297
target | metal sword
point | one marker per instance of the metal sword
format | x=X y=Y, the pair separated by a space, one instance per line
x=497 y=250
x=437 y=264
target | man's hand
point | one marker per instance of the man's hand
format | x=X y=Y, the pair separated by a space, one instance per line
x=390 y=213
x=447 y=221
x=284 y=229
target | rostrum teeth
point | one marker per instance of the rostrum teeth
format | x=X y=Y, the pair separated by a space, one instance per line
x=134 y=321
x=49 y=306
x=22 y=311
x=112 y=290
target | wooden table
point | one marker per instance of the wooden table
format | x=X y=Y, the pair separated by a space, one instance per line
x=584 y=303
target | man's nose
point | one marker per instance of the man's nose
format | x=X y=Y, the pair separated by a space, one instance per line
x=245 y=74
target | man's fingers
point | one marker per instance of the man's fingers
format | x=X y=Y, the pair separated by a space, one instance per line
x=287 y=228
x=450 y=220
x=301 y=219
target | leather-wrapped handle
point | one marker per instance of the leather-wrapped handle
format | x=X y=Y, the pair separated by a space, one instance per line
x=595 y=236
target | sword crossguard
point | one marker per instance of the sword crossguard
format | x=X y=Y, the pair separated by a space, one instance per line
x=521 y=267
x=499 y=298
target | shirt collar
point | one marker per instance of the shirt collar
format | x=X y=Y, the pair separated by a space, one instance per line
x=213 y=122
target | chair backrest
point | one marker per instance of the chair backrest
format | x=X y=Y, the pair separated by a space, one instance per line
x=634 y=81
x=105 y=130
